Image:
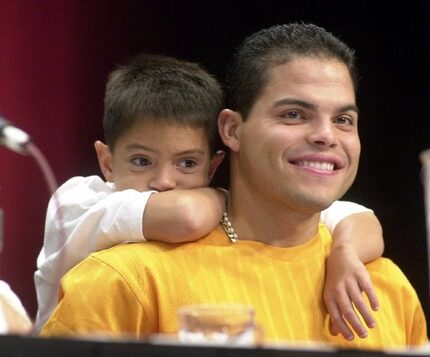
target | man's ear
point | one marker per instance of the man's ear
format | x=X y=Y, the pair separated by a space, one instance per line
x=229 y=125
x=215 y=162
x=104 y=157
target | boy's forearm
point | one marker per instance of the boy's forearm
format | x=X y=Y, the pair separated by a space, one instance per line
x=361 y=232
x=182 y=215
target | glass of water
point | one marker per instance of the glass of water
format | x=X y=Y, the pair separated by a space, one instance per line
x=218 y=324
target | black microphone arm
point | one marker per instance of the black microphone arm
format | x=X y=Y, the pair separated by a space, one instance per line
x=12 y=137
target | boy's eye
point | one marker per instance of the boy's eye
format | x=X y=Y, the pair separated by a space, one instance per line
x=141 y=161
x=188 y=163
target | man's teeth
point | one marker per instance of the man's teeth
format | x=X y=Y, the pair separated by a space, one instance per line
x=323 y=166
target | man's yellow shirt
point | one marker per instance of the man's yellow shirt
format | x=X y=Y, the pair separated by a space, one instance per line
x=136 y=289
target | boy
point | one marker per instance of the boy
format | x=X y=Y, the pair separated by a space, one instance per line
x=160 y=126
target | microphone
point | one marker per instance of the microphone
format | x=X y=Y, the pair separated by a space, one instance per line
x=12 y=137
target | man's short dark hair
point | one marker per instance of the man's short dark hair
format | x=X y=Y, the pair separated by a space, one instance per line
x=279 y=44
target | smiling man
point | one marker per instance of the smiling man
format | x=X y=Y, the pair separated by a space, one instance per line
x=292 y=130
x=291 y=127
x=296 y=151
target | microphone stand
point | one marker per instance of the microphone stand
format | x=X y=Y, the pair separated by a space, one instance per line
x=20 y=142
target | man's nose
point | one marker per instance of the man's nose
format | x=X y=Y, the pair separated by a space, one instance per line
x=323 y=134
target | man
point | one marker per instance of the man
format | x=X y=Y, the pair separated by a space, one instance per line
x=291 y=128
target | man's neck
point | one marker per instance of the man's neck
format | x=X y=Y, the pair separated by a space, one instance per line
x=270 y=223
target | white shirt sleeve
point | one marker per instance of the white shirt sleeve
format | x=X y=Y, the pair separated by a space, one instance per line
x=340 y=210
x=85 y=215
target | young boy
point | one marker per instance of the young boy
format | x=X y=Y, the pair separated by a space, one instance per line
x=160 y=127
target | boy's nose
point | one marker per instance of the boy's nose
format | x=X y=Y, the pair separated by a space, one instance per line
x=163 y=180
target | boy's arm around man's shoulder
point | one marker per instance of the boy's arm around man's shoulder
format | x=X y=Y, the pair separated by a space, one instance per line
x=183 y=215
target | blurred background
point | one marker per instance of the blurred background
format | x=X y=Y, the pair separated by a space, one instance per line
x=55 y=57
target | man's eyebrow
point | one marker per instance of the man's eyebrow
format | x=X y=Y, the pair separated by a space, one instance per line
x=307 y=105
x=299 y=102
x=348 y=108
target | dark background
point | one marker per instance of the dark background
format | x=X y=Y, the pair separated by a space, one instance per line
x=55 y=56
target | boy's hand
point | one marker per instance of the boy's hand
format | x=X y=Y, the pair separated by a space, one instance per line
x=346 y=280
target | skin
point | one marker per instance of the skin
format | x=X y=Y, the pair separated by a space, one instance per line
x=173 y=158
x=295 y=154
x=160 y=157
x=349 y=284
x=176 y=162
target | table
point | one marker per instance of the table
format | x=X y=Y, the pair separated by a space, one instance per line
x=23 y=346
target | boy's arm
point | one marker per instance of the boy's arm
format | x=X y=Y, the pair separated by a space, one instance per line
x=363 y=232
x=183 y=215
x=92 y=217
x=357 y=239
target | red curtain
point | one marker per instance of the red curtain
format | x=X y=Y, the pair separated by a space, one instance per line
x=54 y=58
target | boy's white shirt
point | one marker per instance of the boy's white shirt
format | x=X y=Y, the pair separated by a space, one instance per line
x=94 y=217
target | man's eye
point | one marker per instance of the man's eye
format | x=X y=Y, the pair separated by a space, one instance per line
x=188 y=163
x=292 y=114
x=141 y=161
x=344 y=120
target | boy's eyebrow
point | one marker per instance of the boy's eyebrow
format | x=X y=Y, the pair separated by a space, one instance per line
x=192 y=151
x=307 y=105
x=131 y=147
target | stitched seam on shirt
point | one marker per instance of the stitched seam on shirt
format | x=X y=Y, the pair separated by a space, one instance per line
x=123 y=279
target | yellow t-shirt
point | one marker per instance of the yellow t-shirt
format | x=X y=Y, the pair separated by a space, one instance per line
x=136 y=289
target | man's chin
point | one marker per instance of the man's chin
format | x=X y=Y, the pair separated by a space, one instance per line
x=317 y=204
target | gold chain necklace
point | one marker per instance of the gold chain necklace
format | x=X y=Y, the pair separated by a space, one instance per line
x=228 y=228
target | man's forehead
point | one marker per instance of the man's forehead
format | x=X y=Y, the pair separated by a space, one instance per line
x=303 y=71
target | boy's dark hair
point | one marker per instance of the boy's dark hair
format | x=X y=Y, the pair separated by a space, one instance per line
x=279 y=44
x=161 y=89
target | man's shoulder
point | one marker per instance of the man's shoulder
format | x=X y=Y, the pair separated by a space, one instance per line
x=128 y=252
x=384 y=272
x=151 y=251
x=119 y=263
x=132 y=262
x=384 y=265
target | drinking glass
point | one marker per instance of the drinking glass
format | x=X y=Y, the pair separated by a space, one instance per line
x=218 y=324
